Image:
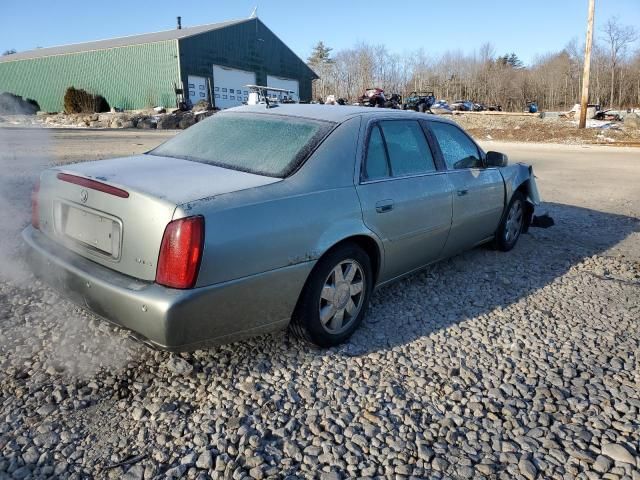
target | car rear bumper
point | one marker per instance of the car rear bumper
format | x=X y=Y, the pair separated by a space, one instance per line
x=170 y=319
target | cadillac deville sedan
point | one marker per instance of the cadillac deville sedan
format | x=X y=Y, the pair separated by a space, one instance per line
x=261 y=218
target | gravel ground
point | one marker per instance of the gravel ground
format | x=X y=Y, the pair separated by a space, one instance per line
x=487 y=365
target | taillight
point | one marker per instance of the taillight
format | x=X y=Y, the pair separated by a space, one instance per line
x=180 y=253
x=35 y=206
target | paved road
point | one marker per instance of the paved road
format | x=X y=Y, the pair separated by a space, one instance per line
x=599 y=177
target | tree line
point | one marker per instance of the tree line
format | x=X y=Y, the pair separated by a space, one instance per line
x=553 y=79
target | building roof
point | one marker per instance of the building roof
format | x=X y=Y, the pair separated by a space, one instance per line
x=120 y=41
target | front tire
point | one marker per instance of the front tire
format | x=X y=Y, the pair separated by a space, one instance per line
x=512 y=224
x=335 y=298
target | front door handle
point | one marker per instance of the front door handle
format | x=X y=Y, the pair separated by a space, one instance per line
x=384 y=206
x=462 y=193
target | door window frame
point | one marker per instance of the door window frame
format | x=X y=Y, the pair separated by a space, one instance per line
x=481 y=152
x=431 y=144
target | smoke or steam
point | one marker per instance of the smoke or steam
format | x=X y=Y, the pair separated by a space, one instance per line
x=40 y=330
x=19 y=170
x=11 y=104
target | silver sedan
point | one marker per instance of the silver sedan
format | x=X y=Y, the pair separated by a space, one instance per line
x=261 y=218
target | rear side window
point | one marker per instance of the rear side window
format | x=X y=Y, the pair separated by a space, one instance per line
x=408 y=149
x=458 y=150
x=397 y=149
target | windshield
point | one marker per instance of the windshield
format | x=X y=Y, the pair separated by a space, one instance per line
x=257 y=143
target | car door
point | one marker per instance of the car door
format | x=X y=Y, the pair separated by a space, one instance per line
x=406 y=200
x=478 y=192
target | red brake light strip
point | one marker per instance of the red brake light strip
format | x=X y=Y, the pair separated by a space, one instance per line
x=92 y=184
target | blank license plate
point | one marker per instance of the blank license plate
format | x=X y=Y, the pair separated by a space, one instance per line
x=93 y=230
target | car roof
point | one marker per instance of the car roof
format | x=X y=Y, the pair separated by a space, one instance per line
x=333 y=113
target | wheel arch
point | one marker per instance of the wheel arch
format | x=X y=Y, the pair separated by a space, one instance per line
x=519 y=177
x=370 y=247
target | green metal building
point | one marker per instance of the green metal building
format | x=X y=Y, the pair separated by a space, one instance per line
x=214 y=61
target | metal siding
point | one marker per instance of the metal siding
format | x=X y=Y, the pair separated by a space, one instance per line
x=132 y=77
x=237 y=46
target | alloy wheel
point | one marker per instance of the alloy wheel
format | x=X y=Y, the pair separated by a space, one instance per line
x=342 y=296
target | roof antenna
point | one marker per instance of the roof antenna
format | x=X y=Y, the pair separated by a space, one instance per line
x=179 y=23
x=254 y=13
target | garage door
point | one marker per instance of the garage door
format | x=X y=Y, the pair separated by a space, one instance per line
x=284 y=83
x=197 y=89
x=230 y=86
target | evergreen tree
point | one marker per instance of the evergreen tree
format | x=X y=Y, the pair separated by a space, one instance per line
x=514 y=61
x=321 y=54
x=510 y=60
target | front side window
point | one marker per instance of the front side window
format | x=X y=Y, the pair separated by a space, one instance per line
x=263 y=144
x=458 y=150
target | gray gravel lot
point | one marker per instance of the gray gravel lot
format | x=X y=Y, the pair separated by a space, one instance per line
x=488 y=365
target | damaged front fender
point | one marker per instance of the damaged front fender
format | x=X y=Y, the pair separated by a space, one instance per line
x=519 y=176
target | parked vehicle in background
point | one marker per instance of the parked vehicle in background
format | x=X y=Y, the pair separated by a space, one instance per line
x=462 y=106
x=479 y=107
x=494 y=108
x=419 y=101
x=373 y=97
x=393 y=101
x=608 y=114
x=441 y=107
x=261 y=95
x=257 y=219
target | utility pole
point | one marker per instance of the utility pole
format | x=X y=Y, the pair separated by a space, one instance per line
x=587 y=66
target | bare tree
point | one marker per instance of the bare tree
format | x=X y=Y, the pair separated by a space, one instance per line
x=552 y=79
x=618 y=38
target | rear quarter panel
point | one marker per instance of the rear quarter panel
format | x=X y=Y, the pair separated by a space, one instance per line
x=285 y=223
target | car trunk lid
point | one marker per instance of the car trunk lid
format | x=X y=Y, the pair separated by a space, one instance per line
x=114 y=212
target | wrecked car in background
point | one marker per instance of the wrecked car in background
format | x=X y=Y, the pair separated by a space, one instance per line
x=419 y=102
x=375 y=97
x=257 y=219
x=462 y=106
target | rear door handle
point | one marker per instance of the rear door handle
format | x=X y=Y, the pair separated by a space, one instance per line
x=462 y=193
x=384 y=206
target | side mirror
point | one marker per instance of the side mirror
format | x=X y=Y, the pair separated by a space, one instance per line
x=496 y=159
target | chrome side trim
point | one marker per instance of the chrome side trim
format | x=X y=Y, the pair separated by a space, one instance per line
x=390 y=179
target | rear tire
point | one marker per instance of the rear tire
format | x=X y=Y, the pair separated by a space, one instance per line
x=512 y=223
x=335 y=298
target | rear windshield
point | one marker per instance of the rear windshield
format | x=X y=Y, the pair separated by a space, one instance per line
x=251 y=142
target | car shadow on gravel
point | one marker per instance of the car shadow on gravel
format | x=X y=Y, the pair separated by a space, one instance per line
x=483 y=280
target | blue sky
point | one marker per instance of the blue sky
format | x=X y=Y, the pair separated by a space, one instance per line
x=526 y=27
